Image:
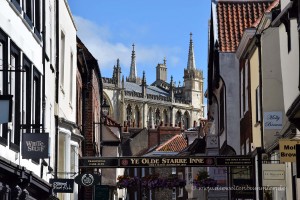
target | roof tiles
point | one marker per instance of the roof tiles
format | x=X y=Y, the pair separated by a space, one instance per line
x=234 y=17
x=175 y=144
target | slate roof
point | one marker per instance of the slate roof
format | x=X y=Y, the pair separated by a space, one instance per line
x=198 y=146
x=175 y=144
x=234 y=16
x=129 y=86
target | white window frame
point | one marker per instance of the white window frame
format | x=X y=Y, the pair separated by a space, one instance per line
x=62 y=59
x=71 y=78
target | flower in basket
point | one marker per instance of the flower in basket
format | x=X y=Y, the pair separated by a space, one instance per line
x=202 y=180
x=127 y=181
x=151 y=181
x=174 y=181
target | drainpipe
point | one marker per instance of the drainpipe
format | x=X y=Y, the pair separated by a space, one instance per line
x=261 y=149
x=44 y=71
x=84 y=95
x=56 y=86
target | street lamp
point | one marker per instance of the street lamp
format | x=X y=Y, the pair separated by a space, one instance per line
x=105 y=109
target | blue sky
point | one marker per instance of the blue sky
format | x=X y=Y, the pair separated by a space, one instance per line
x=158 y=28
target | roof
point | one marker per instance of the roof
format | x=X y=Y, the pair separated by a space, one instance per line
x=130 y=86
x=234 y=17
x=269 y=9
x=198 y=146
x=175 y=144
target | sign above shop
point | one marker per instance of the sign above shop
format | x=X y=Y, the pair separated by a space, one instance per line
x=87 y=179
x=174 y=161
x=287 y=150
x=62 y=185
x=35 y=145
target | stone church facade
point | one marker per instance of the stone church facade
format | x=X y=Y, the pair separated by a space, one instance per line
x=134 y=103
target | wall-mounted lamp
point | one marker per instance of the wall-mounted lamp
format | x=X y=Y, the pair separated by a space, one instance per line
x=6 y=108
x=105 y=108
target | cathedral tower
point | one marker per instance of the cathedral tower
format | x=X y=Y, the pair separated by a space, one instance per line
x=161 y=71
x=193 y=80
x=132 y=75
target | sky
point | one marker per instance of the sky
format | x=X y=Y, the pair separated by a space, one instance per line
x=158 y=28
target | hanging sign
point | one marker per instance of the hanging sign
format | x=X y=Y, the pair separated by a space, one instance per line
x=62 y=185
x=273 y=120
x=35 y=145
x=87 y=179
x=287 y=150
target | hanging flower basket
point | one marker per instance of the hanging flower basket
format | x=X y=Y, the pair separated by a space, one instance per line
x=127 y=181
x=152 y=181
x=202 y=180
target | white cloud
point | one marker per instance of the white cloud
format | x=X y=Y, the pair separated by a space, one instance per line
x=97 y=40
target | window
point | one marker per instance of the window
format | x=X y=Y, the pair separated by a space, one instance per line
x=62 y=59
x=36 y=100
x=37 y=22
x=189 y=174
x=242 y=93
x=61 y=156
x=222 y=110
x=71 y=78
x=180 y=190
x=242 y=149
x=15 y=90
x=247 y=146
x=173 y=170
x=28 y=9
x=3 y=80
x=73 y=156
x=174 y=193
x=26 y=91
x=246 y=87
x=257 y=95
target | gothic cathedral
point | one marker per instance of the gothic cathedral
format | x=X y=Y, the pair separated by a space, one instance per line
x=134 y=103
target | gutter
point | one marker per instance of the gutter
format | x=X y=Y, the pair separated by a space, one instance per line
x=56 y=86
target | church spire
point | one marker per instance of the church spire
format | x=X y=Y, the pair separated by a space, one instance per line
x=132 y=75
x=191 y=58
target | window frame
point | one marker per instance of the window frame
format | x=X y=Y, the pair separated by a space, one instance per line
x=15 y=133
x=4 y=41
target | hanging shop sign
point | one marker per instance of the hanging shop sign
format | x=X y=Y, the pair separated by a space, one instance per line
x=87 y=179
x=287 y=150
x=273 y=120
x=62 y=185
x=35 y=145
x=273 y=175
